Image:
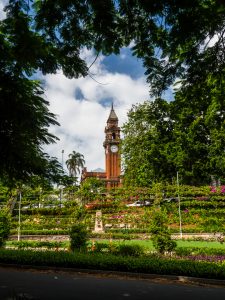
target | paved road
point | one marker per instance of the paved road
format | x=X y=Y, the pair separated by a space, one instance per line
x=18 y=284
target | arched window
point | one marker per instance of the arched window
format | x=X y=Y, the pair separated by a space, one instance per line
x=113 y=136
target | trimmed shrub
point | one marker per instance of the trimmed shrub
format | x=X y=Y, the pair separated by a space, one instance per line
x=160 y=234
x=78 y=237
x=130 y=250
x=163 y=243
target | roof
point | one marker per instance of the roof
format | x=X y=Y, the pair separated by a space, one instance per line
x=112 y=115
x=100 y=170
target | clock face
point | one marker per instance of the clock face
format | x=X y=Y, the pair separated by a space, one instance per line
x=114 y=148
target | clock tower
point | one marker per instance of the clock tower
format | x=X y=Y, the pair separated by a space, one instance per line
x=112 y=151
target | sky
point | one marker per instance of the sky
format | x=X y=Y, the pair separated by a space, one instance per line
x=82 y=105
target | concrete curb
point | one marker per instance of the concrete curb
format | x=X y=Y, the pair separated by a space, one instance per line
x=104 y=273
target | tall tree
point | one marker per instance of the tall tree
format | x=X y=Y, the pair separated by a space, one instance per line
x=24 y=114
x=75 y=163
x=200 y=130
x=185 y=136
x=147 y=135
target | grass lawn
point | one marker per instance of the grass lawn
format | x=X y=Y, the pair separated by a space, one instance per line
x=199 y=244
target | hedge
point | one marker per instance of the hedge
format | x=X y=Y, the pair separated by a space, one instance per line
x=149 y=265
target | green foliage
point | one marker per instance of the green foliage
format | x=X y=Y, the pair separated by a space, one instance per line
x=90 y=190
x=212 y=224
x=186 y=135
x=159 y=232
x=185 y=251
x=5 y=220
x=185 y=48
x=130 y=250
x=202 y=211
x=37 y=244
x=146 y=136
x=150 y=264
x=21 y=152
x=79 y=213
x=78 y=236
x=118 y=248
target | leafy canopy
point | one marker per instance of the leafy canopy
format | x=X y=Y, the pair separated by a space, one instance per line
x=185 y=136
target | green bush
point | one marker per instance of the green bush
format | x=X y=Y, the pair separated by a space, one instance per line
x=130 y=250
x=163 y=243
x=4 y=226
x=160 y=234
x=37 y=244
x=100 y=247
x=78 y=237
x=119 y=249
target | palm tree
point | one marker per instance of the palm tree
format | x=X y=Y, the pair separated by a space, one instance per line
x=75 y=163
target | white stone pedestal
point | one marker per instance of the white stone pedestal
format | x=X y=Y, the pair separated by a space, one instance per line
x=98 y=222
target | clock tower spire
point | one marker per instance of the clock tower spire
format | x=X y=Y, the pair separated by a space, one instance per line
x=112 y=153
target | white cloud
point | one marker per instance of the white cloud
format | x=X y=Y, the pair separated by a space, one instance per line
x=2 y=5
x=83 y=120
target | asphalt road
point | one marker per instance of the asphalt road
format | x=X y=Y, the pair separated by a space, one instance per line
x=23 y=284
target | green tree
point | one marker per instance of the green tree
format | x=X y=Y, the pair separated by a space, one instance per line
x=186 y=135
x=147 y=136
x=23 y=129
x=75 y=163
x=199 y=132
x=24 y=114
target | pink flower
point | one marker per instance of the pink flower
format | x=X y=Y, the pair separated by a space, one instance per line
x=222 y=188
x=213 y=189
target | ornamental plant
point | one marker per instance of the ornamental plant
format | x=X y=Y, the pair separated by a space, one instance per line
x=78 y=237
x=160 y=234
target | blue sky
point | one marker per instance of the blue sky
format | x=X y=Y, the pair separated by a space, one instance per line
x=82 y=105
x=125 y=63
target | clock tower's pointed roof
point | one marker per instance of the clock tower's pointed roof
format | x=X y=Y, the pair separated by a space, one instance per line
x=112 y=115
